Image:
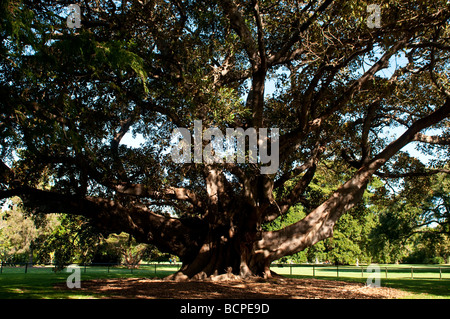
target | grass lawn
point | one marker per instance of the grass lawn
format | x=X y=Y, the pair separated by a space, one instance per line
x=429 y=282
x=415 y=289
x=38 y=283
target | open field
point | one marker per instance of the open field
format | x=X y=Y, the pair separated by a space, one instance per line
x=39 y=282
x=419 y=281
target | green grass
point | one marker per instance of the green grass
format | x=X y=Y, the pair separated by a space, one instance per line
x=421 y=288
x=36 y=286
x=415 y=289
x=39 y=283
x=427 y=283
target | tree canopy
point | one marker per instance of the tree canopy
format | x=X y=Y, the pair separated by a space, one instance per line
x=347 y=94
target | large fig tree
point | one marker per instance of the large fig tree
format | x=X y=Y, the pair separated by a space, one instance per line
x=347 y=83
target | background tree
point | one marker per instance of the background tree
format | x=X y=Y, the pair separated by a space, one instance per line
x=69 y=240
x=62 y=239
x=414 y=223
x=146 y=67
x=17 y=233
x=129 y=251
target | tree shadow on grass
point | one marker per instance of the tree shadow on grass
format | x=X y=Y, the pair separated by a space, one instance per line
x=432 y=288
x=413 y=288
x=285 y=288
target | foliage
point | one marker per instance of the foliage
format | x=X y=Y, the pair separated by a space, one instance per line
x=16 y=234
x=126 y=250
x=414 y=228
x=72 y=240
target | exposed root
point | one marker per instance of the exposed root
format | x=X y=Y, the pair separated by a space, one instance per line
x=228 y=276
x=178 y=276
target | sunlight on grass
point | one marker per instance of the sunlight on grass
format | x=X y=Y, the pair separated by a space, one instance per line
x=46 y=284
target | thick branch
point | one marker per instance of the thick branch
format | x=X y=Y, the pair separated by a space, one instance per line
x=293 y=197
x=124 y=127
x=319 y=224
x=168 y=234
x=419 y=137
x=141 y=190
x=292 y=139
x=283 y=53
x=239 y=26
x=312 y=160
x=365 y=146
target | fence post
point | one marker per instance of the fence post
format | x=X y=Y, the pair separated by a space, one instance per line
x=440 y=273
x=337 y=270
x=290 y=269
x=362 y=272
x=385 y=268
x=412 y=273
x=314 y=271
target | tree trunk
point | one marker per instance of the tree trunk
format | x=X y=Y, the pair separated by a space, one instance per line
x=224 y=252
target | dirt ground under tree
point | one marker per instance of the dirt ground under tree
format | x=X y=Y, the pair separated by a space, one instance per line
x=284 y=288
